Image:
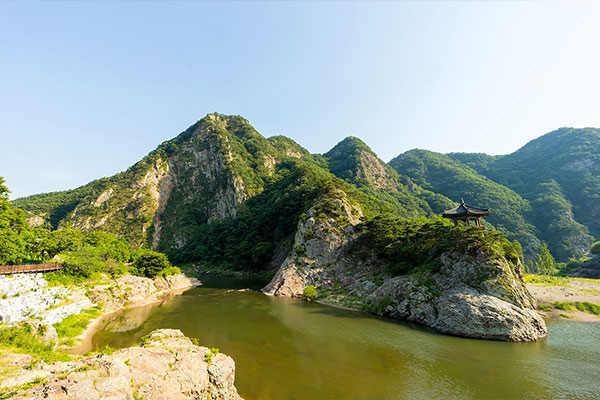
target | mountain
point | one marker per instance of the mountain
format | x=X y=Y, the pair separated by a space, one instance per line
x=220 y=180
x=220 y=196
x=549 y=188
x=354 y=162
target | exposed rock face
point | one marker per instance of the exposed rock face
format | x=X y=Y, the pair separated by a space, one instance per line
x=471 y=295
x=468 y=297
x=375 y=171
x=166 y=366
x=137 y=290
x=318 y=244
x=26 y=296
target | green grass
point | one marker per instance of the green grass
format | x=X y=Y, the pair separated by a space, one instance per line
x=583 y=306
x=21 y=339
x=547 y=280
x=7 y=393
x=74 y=325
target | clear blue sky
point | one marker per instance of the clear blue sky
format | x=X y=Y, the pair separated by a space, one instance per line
x=88 y=88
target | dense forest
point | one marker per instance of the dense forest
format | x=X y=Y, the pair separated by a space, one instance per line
x=220 y=195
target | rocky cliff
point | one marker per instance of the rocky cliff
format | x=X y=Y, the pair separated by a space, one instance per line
x=471 y=294
x=167 y=365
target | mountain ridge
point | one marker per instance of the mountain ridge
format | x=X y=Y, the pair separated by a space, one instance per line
x=212 y=169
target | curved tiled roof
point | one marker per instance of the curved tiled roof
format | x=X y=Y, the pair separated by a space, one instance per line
x=465 y=210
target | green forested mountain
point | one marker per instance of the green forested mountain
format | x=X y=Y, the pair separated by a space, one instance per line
x=556 y=176
x=439 y=173
x=221 y=194
x=354 y=162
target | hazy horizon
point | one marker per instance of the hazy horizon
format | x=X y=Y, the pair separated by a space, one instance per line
x=90 y=88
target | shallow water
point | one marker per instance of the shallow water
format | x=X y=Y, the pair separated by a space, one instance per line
x=290 y=349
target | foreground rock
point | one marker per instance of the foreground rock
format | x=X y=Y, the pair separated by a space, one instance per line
x=471 y=295
x=166 y=366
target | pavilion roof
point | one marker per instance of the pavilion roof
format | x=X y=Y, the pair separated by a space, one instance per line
x=464 y=210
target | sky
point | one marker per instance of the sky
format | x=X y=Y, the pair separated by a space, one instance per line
x=89 y=88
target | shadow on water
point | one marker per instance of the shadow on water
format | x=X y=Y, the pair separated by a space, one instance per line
x=290 y=349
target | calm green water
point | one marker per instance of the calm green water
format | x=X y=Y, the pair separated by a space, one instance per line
x=290 y=349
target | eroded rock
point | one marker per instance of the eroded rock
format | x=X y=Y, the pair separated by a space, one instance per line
x=167 y=365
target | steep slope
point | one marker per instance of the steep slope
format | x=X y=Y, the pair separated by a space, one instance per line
x=353 y=161
x=202 y=175
x=439 y=173
x=559 y=173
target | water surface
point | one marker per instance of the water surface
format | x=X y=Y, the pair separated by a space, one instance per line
x=290 y=349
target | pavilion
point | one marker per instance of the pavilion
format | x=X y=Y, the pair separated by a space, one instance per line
x=466 y=214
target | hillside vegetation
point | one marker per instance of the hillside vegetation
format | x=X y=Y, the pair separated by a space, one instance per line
x=221 y=195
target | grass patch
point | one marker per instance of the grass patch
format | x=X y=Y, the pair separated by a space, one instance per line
x=74 y=325
x=583 y=306
x=7 y=393
x=209 y=356
x=21 y=339
x=547 y=280
x=545 y=307
x=378 y=306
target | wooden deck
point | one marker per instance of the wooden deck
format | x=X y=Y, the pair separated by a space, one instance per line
x=29 y=268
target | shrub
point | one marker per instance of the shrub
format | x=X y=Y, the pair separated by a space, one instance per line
x=310 y=293
x=150 y=264
x=596 y=249
x=169 y=271
x=21 y=338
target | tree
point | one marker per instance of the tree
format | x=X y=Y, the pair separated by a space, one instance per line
x=150 y=263
x=596 y=248
x=545 y=263
x=13 y=230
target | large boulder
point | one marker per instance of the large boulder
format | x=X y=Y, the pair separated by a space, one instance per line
x=167 y=365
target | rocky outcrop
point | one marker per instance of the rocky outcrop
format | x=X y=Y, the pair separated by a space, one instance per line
x=318 y=245
x=26 y=296
x=471 y=295
x=167 y=365
x=130 y=290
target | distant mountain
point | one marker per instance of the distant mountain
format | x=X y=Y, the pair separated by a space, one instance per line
x=557 y=177
x=441 y=174
x=222 y=194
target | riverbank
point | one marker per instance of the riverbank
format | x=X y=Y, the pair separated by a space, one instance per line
x=49 y=324
x=561 y=298
x=137 y=291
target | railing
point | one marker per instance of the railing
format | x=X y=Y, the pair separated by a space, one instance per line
x=29 y=268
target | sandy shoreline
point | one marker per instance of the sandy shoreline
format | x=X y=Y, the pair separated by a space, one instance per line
x=572 y=290
x=84 y=341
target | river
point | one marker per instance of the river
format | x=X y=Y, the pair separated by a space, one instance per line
x=290 y=349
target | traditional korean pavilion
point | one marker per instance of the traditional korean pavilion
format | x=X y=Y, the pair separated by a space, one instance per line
x=466 y=214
